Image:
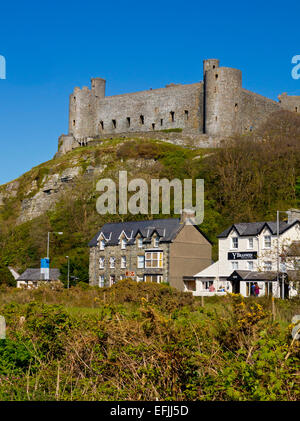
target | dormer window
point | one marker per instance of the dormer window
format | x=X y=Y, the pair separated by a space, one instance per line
x=102 y=244
x=140 y=242
x=234 y=242
x=156 y=241
x=267 y=241
x=123 y=243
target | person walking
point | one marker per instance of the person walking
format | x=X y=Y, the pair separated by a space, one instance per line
x=256 y=289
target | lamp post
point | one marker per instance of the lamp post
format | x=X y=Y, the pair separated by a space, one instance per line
x=277 y=226
x=48 y=243
x=67 y=257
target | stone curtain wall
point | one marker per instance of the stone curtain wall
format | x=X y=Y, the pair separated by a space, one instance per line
x=177 y=106
x=255 y=109
x=290 y=103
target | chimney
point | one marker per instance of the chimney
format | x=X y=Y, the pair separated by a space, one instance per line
x=293 y=215
x=188 y=217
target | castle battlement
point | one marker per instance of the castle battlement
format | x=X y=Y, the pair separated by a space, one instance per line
x=218 y=107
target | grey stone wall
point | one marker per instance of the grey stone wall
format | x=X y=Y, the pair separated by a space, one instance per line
x=255 y=109
x=290 y=103
x=131 y=252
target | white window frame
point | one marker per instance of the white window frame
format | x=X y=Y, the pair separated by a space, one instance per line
x=151 y=258
x=123 y=243
x=112 y=262
x=123 y=262
x=140 y=264
x=140 y=279
x=156 y=241
x=250 y=265
x=101 y=281
x=265 y=245
x=268 y=266
x=101 y=262
x=102 y=244
x=251 y=243
x=233 y=244
x=235 y=265
x=159 y=278
x=140 y=242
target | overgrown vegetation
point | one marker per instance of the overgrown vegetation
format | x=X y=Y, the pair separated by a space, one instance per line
x=145 y=342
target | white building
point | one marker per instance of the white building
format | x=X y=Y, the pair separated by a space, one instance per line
x=248 y=254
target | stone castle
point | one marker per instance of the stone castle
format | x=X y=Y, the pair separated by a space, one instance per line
x=214 y=108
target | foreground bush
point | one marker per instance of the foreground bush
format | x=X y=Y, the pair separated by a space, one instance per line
x=132 y=345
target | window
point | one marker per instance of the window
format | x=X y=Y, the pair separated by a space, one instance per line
x=101 y=281
x=236 y=107
x=268 y=266
x=74 y=122
x=123 y=243
x=217 y=75
x=140 y=278
x=142 y=120
x=114 y=124
x=128 y=121
x=161 y=121
x=250 y=243
x=234 y=265
x=153 y=126
x=112 y=280
x=172 y=116
x=186 y=115
x=234 y=242
x=102 y=125
x=267 y=241
x=154 y=278
x=140 y=262
x=140 y=242
x=156 y=241
x=101 y=263
x=250 y=265
x=154 y=259
x=102 y=244
x=112 y=262
x=207 y=284
x=123 y=262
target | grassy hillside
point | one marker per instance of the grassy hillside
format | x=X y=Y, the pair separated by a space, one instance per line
x=145 y=342
x=247 y=179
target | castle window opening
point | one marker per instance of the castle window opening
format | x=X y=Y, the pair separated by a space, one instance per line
x=128 y=121
x=142 y=120
x=216 y=118
x=74 y=99
x=74 y=122
x=236 y=107
x=161 y=121
x=296 y=109
x=186 y=114
x=172 y=115
x=102 y=125
x=217 y=75
x=153 y=126
x=114 y=124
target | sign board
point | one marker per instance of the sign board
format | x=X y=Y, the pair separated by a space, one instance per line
x=242 y=255
x=129 y=274
x=45 y=268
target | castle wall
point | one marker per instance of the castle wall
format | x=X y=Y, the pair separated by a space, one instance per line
x=255 y=109
x=290 y=103
x=178 y=106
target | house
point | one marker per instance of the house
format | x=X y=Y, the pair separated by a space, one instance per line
x=33 y=278
x=159 y=250
x=248 y=253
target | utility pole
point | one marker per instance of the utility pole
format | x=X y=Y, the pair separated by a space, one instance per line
x=67 y=257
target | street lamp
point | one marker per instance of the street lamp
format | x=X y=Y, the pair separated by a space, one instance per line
x=48 y=243
x=67 y=257
x=277 y=224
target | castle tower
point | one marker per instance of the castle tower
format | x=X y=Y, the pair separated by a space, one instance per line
x=98 y=87
x=222 y=99
x=82 y=114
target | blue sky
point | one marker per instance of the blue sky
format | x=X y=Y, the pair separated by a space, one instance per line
x=52 y=46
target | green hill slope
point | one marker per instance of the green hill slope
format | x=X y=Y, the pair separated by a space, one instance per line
x=247 y=179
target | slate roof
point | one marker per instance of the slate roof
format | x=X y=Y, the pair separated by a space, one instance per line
x=35 y=275
x=248 y=275
x=167 y=229
x=254 y=228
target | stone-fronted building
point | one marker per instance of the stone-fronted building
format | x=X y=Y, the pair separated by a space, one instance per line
x=159 y=250
x=214 y=108
x=32 y=278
